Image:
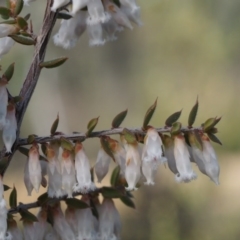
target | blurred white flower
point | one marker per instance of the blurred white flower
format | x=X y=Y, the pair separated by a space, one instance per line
x=77 y=5
x=95 y=33
x=58 y=3
x=26 y=2
x=7 y=29
x=70 y=216
x=13 y=229
x=27 y=181
x=6 y=43
x=29 y=231
x=3 y=102
x=41 y=227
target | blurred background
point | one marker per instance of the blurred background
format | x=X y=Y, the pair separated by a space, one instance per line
x=185 y=49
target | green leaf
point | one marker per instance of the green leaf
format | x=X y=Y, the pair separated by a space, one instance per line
x=115 y=176
x=94 y=209
x=91 y=125
x=117 y=2
x=66 y=144
x=18 y=7
x=76 y=203
x=106 y=146
x=129 y=137
x=27 y=17
x=31 y=138
x=53 y=63
x=44 y=149
x=149 y=114
x=9 y=72
x=109 y=192
x=23 y=40
x=54 y=126
x=13 y=198
x=27 y=216
x=119 y=119
x=63 y=15
x=3 y=164
x=23 y=150
x=6 y=187
x=193 y=114
x=172 y=118
x=176 y=128
x=214 y=138
x=210 y=123
x=22 y=23
x=5 y=12
x=128 y=201
x=43 y=198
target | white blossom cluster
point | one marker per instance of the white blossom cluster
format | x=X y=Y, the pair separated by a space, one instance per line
x=103 y=20
x=8 y=123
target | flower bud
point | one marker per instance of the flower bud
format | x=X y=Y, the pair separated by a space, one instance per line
x=83 y=173
x=182 y=157
x=102 y=164
x=34 y=167
x=9 y=130
x=68 y=172
x=6 y=43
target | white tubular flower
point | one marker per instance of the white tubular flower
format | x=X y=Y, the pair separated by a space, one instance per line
x=41 y=227
x=109 y=221
x=58 y=3
x=13 y=229
x=102 y=164
x=152 y=155
x=68 y=172
x=3 y=101
x=71 y=30
x=182 y=157
x=120 y=156
x=85 y=223
x=111 y=28
x=211 y=164
x=96 y=12
x=6 y=43
x=61 y=226
x=54 y=173
x=134 y=15
x=9 y=130
x=70 y=216
x=116 y=13
x=77 y=5
x=133 y=164
x=29 y=232
x=34 y=167
x=130 y=4
x=83 y=173
x=52 y=235
x=27 y=181
x=95 y=33
x=7 y=29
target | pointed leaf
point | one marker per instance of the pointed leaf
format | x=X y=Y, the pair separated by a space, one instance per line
x=18 y=7
x=43 y=198
x=6 y=187
x=129 y=137
x=63 y=15
x=149 y=114
x=9 y=72
x=76 y=203
x=109 y=192
x=66 y=144
x=210 y=123
x=27 y=17
x=54 y=126
x=44 y=182
x=3 y=164
x=27 y=216
x=119 y=119
x=115 y=176
x=23 y=150
x=128 y=201
x=5 y=12
x=94 y=209
x=22 y=23
x=13 y=198
x=214 y=138
x=106 y=146
x=176 y=128
x=91 y=125
x=23 y=40
x=172 y=118
x=44 y=149
x=193 y=114
x=53 y=63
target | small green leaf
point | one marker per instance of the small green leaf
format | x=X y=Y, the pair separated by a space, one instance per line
x=210 y=123
x=193 y=114
x=13 y=198
x=149 y=114
x=63 y=15
x=23 y=40
x=119 y=119
x=53 y=63
x=3 y=164
x=76 y=203
x=27 y=17
x=9 y=72
x=43 y=198
x=18 y=7
x=23 y=150
x=6 y=187
x=44 y=182
x=5 y=12
x=176 y=128
x=44 y=149
x=31 y=138
x=94 y=209
x=91 y=125
x=115 y=176
x=22 y=23
x=55 y=125
x=129 y=137
x=214 y=138
x=109 y=192
x=172 y=118
x=128 y=201
x=66 y=144
x=167 y=141
x=106 y=146
x=27 y=216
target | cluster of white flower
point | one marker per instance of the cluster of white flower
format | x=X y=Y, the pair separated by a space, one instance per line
x=103 y=19
x=8 y=123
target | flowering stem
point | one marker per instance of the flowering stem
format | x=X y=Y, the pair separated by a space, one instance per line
x=82 y=136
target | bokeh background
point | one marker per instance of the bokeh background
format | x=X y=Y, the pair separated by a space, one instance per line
x=185 y=49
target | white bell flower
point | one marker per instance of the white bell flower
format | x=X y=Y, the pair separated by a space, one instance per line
x=58 y=3
x=7 y=29
x=6 y=43
x=77 y=5
x=27 y=181
x=3 y=102
x=95 y=33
